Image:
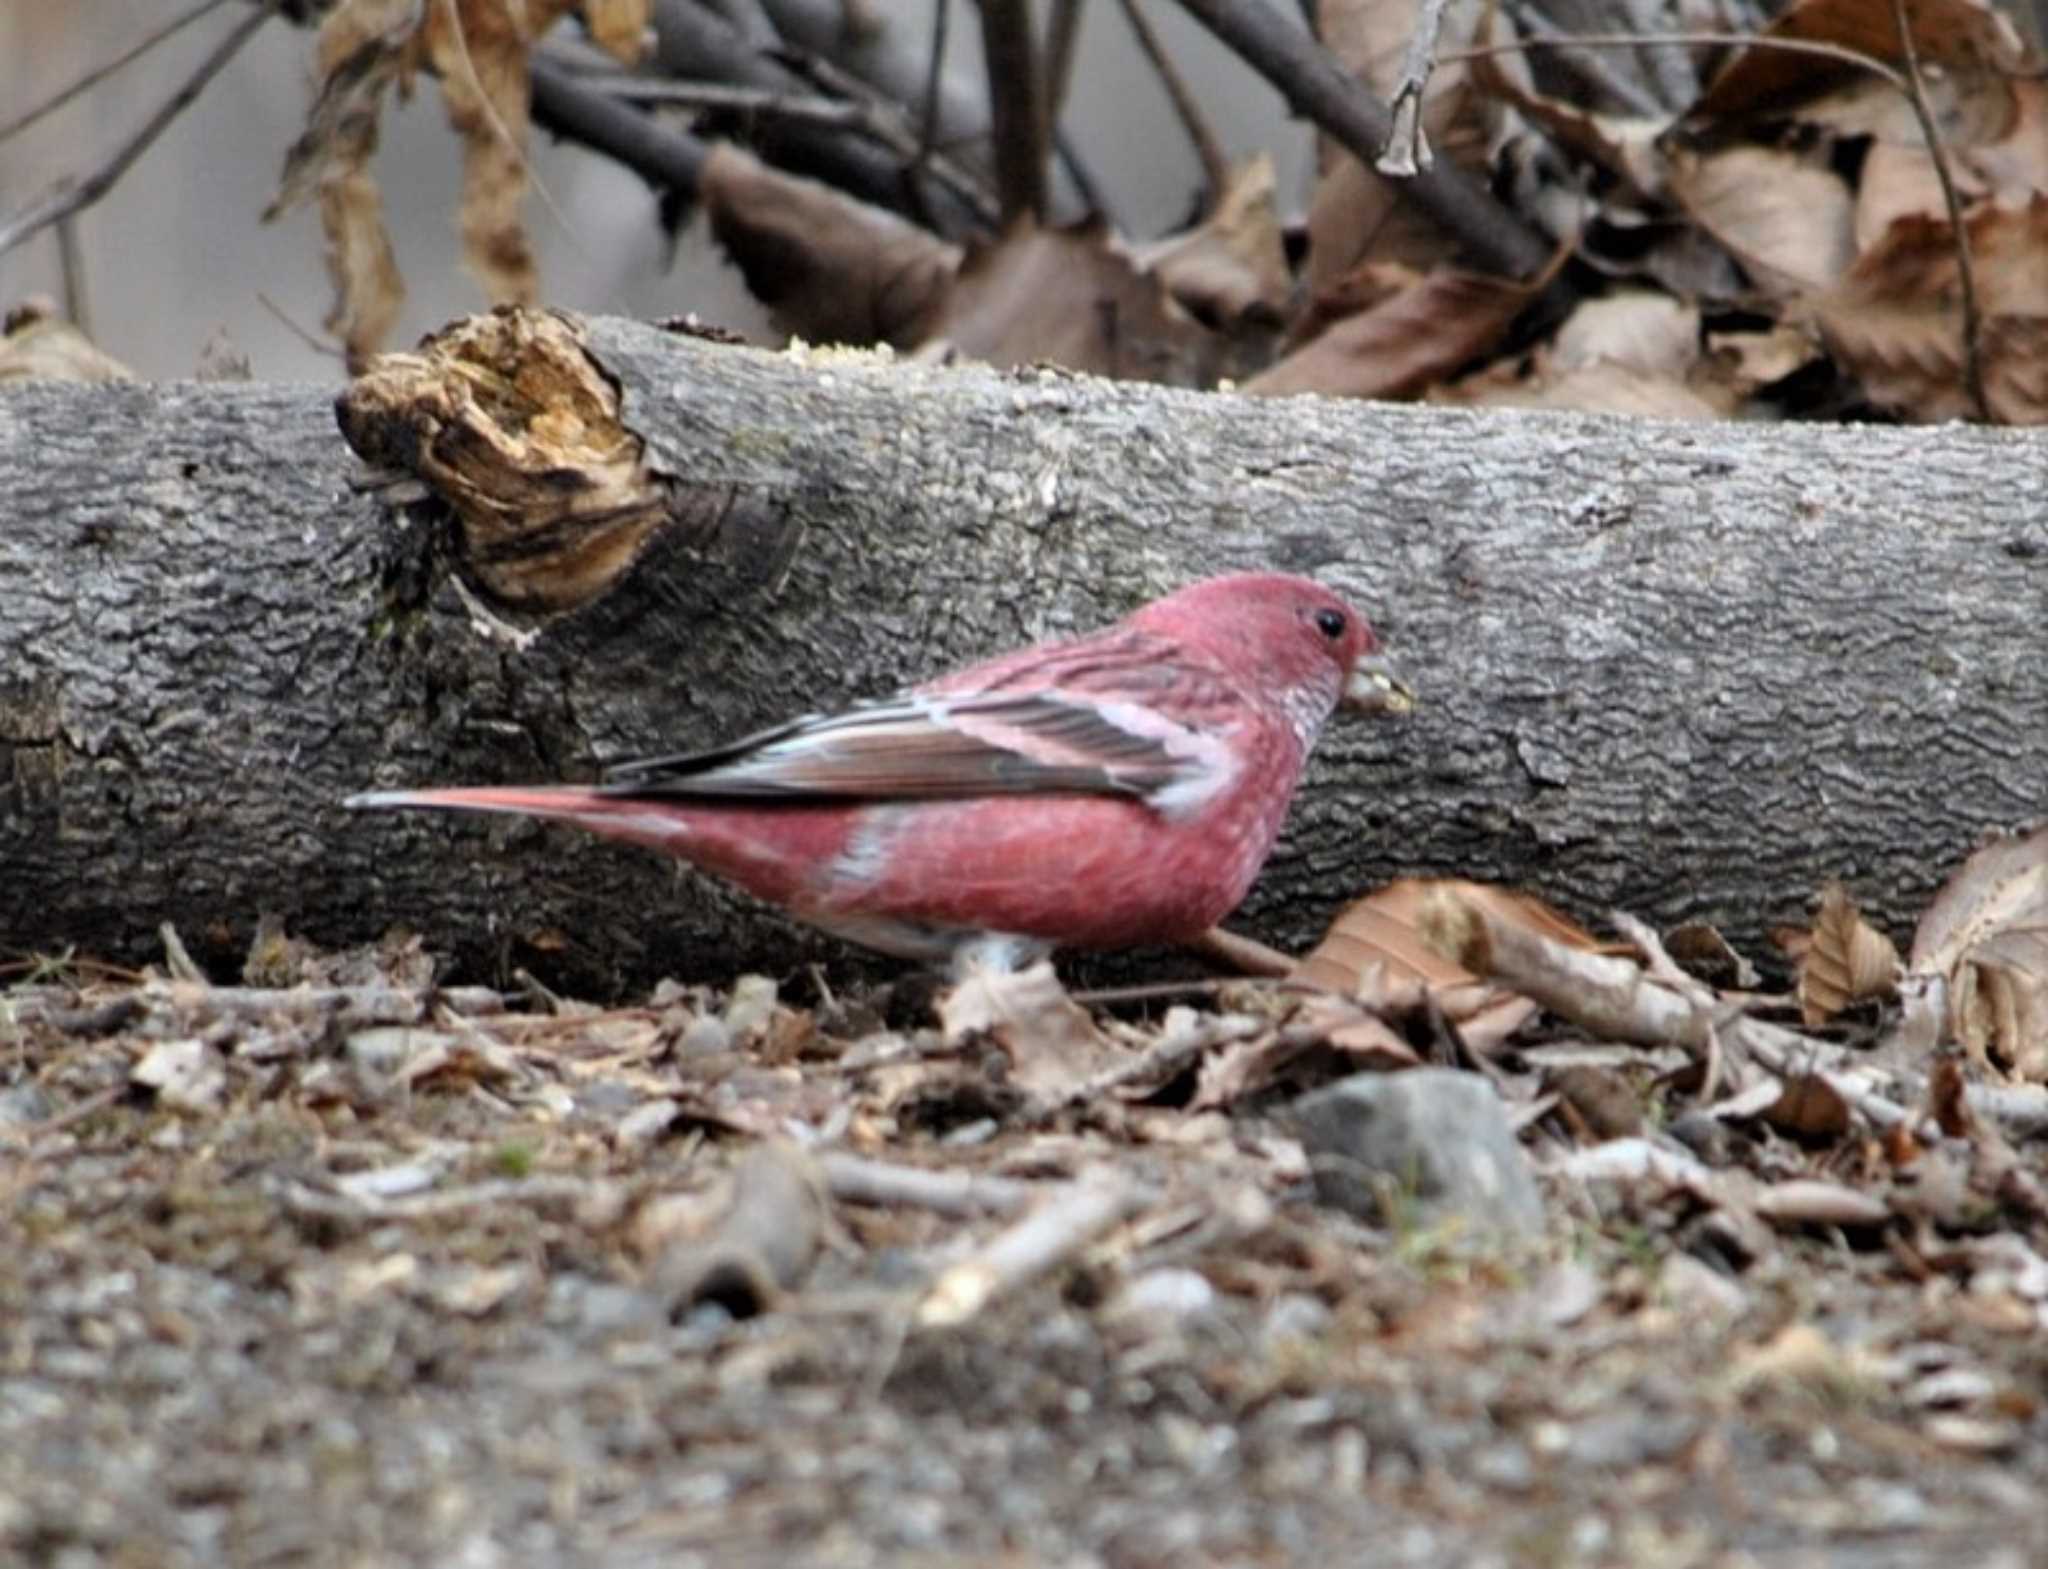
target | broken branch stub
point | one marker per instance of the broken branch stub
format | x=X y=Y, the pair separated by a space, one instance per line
x=509 y=422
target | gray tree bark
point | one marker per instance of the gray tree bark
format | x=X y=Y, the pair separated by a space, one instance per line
x=1690 y=670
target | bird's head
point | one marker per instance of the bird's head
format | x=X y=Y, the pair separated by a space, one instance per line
x=1293 y=636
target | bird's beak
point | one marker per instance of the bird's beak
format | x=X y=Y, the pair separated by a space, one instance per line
x=1374 y=688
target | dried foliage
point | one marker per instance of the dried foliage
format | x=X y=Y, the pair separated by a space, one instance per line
x=1783 y=238
x=478 y=52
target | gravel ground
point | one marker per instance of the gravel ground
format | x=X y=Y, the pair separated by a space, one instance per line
x=299 y=1283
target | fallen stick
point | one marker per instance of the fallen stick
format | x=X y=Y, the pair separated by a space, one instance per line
x=1072 y=1216
x=858 y=1180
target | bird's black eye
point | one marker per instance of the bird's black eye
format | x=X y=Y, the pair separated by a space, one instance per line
x=1331 y=623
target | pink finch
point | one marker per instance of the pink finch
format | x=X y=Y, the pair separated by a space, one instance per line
x=1117 y=789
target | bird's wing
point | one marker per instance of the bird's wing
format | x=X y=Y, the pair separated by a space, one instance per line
x=934 y=748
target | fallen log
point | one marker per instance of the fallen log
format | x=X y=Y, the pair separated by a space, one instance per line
x=1688 y=669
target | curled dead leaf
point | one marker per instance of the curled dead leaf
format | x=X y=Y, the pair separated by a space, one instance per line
x=1809 y=1107
x=1986 y=936
x=1416 y=334
x=1230 y=269
x=1894 y=318
x=1378 y=943
x=1786 y=215
x=1849 y=961
x=1958 y=35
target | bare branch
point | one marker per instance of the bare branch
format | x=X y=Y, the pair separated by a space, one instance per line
x=1215 y=168
x=1314 y=83
x=1016 y=106
x=64 y=95
x=1937 y=152
x=68 y=196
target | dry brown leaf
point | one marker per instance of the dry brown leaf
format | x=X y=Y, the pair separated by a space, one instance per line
x=1958 y=35
x=368 y=289
x=1232 y=267
x=2002 y=886
x=1382 y=930
x=2014 y=162
x=1894 y=319
x=1786 y=216
x=1743 y=362
x=1966 y=107
x=1899 y=181
x=1986 y=936
x=479 y=49
x=1375 y=949
x=1698 y=948
x=1996 y=142
x=1643 y=330
x=1052 y=1044
x=364 y=47
x=1999 y=1003
x=1066 y=297
x=1850 y=961
x=832 y=269
x=1947 y=1099
x=1592 y=389
x=1809 y=1108
x=1411 y=340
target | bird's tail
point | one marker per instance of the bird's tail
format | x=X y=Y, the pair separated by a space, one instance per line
x=612 y=816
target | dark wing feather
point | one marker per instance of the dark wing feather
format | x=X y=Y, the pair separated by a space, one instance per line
x=924 y=747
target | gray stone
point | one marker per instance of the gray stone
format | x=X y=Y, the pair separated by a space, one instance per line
x=1428 y=1147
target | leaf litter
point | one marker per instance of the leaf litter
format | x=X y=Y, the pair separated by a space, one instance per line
x=789 y=1213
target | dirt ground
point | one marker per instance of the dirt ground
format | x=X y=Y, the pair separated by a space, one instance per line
x=368 y=1274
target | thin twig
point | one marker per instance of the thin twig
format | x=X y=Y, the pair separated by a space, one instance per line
x=1215 y=167
x=68 y=195
x=98 y=1100
x=1070 y=1218
x=1318 y=87
x=1247 y=955
x=514 y=145
x=885 y=121
x=98 y=74
x=1966 y=272
x=71 y=267
x=863 y=115
x=324 y=347
x=1407 y=153
x=853 y=1179
x=1151 y=991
